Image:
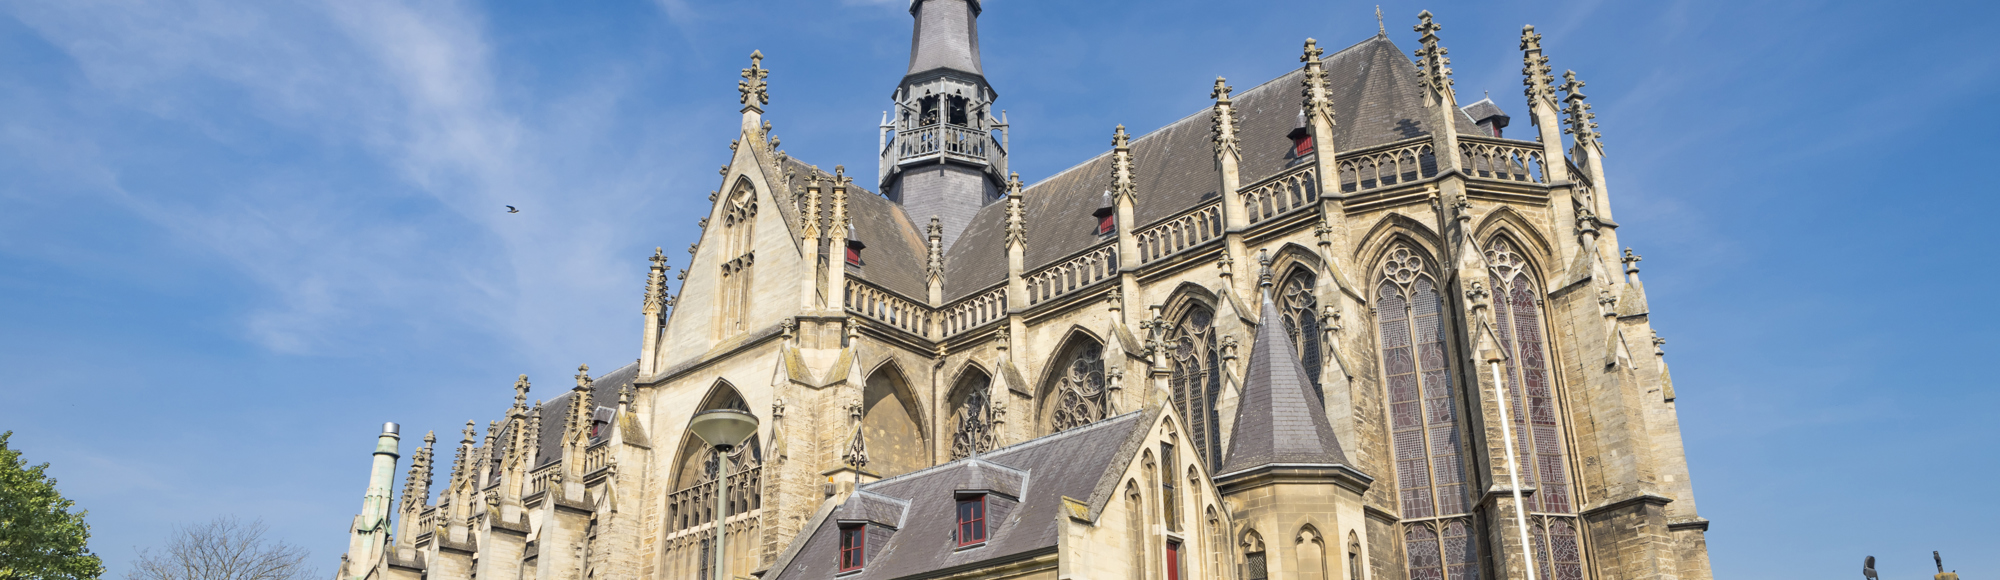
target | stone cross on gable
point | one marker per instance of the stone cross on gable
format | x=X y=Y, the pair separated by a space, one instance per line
x=753 y=86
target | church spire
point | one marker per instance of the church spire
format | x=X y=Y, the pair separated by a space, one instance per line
x=946 y=36
x=1278 y=419
x=944 y=152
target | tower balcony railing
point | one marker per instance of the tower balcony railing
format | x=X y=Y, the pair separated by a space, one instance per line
x=950 y=141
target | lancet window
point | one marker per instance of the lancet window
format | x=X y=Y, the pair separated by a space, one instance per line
x=1197 y=381
x=739 y=252
x=1299 y=308
x=1081 y=394
x=973 y=419
x=1517 y=314
x=1426 y=433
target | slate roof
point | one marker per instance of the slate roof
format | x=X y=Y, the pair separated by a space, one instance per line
x=1482 y=110
x=895 y=247
x=1278 y=418
x=945 y=36
x=1376 y=100
x=1039 y=472
x=603 y=395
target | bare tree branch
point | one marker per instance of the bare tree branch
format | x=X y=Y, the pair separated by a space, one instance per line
x=223 y=549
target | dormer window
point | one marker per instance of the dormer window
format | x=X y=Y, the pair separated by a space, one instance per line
x=971 y=520
x=854 y=247
x=853 y=546
x=1107 y=216
x=1302 y=141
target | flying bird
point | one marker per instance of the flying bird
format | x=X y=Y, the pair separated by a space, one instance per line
x=510 y=209
x=1868 y=568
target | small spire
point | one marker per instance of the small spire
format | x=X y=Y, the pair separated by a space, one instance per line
x=656 y=284
x=1577 y=113
x=1380 y=29
x=1317 y=103
x=934 y=234
x=1122 y=184
x=1017 y=214
x=521 y=393
x=753 y=88
x=1535 y=67
x=1431 y=59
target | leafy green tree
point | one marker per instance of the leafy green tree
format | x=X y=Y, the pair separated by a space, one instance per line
x=39 y=536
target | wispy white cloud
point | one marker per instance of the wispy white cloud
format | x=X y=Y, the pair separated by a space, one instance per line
x=414 y=87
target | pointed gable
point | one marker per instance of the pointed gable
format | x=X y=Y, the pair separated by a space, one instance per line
x=1278 y=419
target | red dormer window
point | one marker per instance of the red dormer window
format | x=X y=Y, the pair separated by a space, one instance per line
x=1105 y=223
x=971 y=520
x=1302 y=141
x=853 y=546
x=853 y=256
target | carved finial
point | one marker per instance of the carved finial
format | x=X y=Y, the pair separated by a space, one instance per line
x=1001 y=339
x=1476 y=297
x=1658 y=343
x=1264 y=268
x=1380 y=28
x=1122 y=185
x=521 y=392
x=809 y=219
x=1116 y=298
x=656 y=284
x=1631 y=261
x=856 y=455
x=1577 y=113
x=1229 y=346
x=1461 y=208
x=1329 y=318
x=1224 y=264
x=1017 y=216
x=1224 y=120
x=1431 y=60
x=624 y=395
x=778 y=408
x=468 y=434
x=1535 y=67
x=1607 y=303
x=787 y=326
x=1316 y=103
x=753 y=86
x=583 y=377
x=935 y=233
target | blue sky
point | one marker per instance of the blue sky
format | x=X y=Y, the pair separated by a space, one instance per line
x=237 y=236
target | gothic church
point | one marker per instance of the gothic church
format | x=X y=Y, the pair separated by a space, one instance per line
x=1338 y=326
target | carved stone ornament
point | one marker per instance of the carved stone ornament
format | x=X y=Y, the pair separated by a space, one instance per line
x=1535 y=67
x=753 y=87
x=1578 y=119
x=1081 y=394
x=974 y=422
x=1431 y=60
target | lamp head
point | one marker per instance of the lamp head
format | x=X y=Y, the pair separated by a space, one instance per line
x=723 y=428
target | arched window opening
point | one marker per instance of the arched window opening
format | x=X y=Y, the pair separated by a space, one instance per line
x=1081 y=394
x=739 y=253
x=1197 y=380
x=1255 y=565
x=1298 y=306
x=1517 y=313
x=1426 y=436
x=973 y=417
x=696 y=479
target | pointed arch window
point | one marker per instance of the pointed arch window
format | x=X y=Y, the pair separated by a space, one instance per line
x=974 y=418
x=1538 y=439
x=1299 y=308
x=1081 y=395
x=1197 y=381
x=1427 y=437
x=739 y=214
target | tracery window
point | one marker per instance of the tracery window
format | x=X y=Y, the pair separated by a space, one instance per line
x=1299 y=308
x=1196 y=380
x=1427 y=438
x=1531 y=399
x=738 y=219
x=1081 y=395
x=973 y=418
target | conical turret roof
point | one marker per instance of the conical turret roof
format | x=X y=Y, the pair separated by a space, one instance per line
x=1278 y=419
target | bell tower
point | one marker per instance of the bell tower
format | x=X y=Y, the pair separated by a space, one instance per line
x=944 y=152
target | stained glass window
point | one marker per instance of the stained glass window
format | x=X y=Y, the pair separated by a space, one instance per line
x=1196 y=383
x=1299 y=308
x=1425 y=433
x=1537 y=428
x=1081 y=394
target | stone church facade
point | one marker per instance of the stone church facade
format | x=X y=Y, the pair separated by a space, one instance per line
x=1336 y=326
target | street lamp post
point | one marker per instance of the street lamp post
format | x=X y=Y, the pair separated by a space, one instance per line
x=722 y=429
